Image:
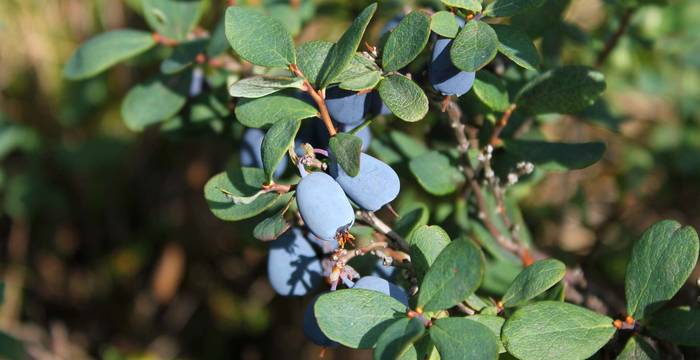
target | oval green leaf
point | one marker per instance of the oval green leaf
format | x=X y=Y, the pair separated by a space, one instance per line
x=346 y=150
x=474 y=47
x=271 y=228
x=564 y=90
x=680 y=326
x=222 y=190
x=436 y=173
x=516 y=45
x=398 y=338
x=105 y=50
x=534 y=280
x=460 y=338
x=471 y=5
x=268 y=110
x=257 y=38
x=500 y=8
x=638 y=349
x=403 y=97
x=342 y=52
x=406 y=41
x=556 y=156
x=172 y=18
x=661 y=262
x=259 y=86
x=491 y=90
x=555 y=330
x=426 y=242
x=156 y=100
x=356 y=318
x=455 y=274
x=275 y=144
x=444 y=24
x=494 y=323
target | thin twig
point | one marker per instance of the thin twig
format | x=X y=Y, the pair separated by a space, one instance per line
x=454 y=114
x=615 y=38
x=318 y=98
x=501 y=124
x=372 y=220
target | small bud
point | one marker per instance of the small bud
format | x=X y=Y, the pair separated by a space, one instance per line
x=512 y=179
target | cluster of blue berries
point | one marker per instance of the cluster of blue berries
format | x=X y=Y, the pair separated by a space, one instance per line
x=300 y=259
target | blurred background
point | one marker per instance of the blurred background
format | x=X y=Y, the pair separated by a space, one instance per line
x=108 y=249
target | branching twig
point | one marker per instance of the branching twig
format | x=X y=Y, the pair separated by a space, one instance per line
x=615 y=38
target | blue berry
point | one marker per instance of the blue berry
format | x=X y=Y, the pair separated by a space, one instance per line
x=293 y=267
x=323 y=206
x=374 y=186
x=383 y=286
x=442 y=73
x=312 y=330
x=346 y=107
x=377 y=105
x=251 y=151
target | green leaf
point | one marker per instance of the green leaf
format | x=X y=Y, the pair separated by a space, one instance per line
x=460 y=338
x=426 y=243
x=500 y=8
x=661 y=262
x=517 y=46
x=435 y=173
x=105 y=50
x=638 y=349
x=564 y=90
x=364 y=81
x=341 y=53
x=474 y=47
x=346 y=149
x=172 y=18
x=183 y=56
x=397 y=338
x=310 y=58
x=271 y=228
x=268 y=110
x=356 y=318
x=494 y=323
x=407 y=145
x=406 y=41
x=455 y=274
x=555 y=330
x=288 y=16
x=534 y=280
x=403 y=97
x=358 y=67
x=423 y=349
x=276 y=143
x=471 y=5
x=222 y=191
x=259 y=39
x=11 y=348
x=556 y=156
x=491 y=90
x=153 y=101
x=444 y=24
x=680 y=326
x=259 y=86
x=413 y=216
